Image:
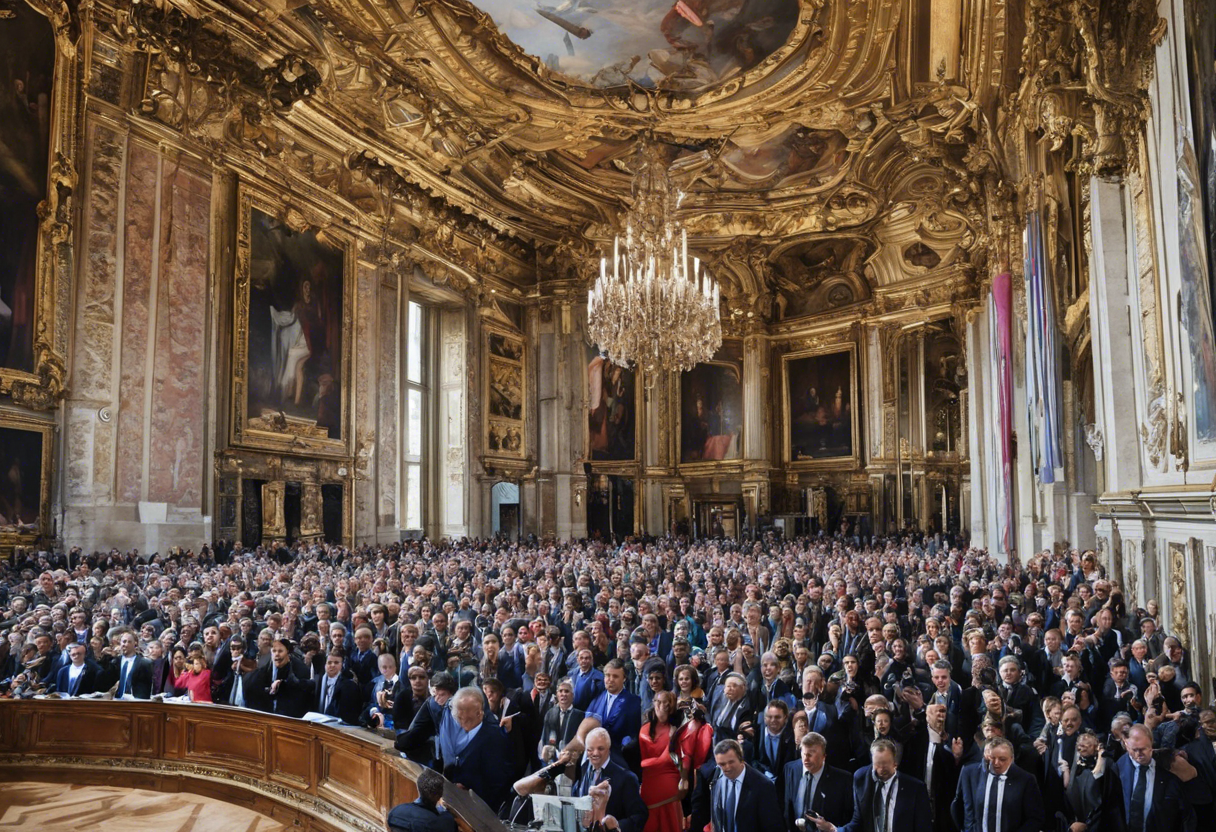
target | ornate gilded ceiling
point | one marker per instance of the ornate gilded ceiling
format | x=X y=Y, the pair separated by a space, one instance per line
x=812 y=160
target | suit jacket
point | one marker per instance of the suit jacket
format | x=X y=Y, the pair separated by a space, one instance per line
x=912 y=813
x=726 y=728
x=765 y=763
x=292 y=697
x=624 y=801
x=1021 y=810
x=364 y=668
x=480 y=768
x=555 y=664
x=416 y=741
x=757 y=808
x=345 y=702
x=624 y=721
x=141 y=677
x=1168 y=812
x=552 y=723
x=833 y=798
x=914 y=762
x=86 y=683
x=418 y=817
x=587 y=687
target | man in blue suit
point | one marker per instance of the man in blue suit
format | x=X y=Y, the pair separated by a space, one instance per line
x=1152 y=795
x=474 y=749
x=998 y=791
x=78 y=677
x=741 y=799
x=618 y=710
x=588 y=682
x=812 y=786
x=884 y=799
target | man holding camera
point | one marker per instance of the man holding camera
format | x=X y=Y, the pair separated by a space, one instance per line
x=814 y=790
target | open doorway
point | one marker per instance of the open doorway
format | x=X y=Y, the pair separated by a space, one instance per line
x=504 y=509
x=610 y=507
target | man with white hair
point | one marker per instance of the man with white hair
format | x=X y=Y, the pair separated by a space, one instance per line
x=473 y=748
x=624 y=811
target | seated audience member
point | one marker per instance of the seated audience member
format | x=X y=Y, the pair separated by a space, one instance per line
x=427 y=813
x=473 y=748
x=78 y=677
x=277 y=686
x=334 y=693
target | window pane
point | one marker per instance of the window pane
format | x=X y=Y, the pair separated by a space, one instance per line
x=413 y=496
x=413 y=348
x=413 y=423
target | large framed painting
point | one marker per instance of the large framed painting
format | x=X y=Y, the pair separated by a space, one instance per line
x=611 y=409
x=291 y=379
x=505 y=394
x=821 y=424
x=26 y=80
x=711 y=408
x=25 y=479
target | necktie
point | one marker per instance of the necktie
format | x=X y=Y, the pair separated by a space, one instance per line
x=728 y=806
x=808 y=793
x=124 y=683
x=1139 y=792
x=329 y=692
x=772 y=749
x=880 y=807
x=562 y=722
x=991 y=803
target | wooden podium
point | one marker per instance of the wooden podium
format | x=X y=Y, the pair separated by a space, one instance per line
x=314 y=777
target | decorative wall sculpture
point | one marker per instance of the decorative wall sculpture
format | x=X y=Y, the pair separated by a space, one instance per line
x=611 y=409
x=711 y=408
x=821 y=406
x=504 y=394
x=26 y=76
x=292 y=345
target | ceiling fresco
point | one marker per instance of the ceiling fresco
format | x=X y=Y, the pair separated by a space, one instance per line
x=685 y=45
x=785 y=123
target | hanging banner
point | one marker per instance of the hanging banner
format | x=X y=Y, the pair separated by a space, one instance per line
x=1002 y=305
x=1042 y=359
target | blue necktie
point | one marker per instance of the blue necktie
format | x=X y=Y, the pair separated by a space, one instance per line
x=992 y=803
x=728 y=806
x=122 y=679
x=1135 y=821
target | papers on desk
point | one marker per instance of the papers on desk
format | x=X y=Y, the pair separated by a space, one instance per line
x=320 y=718
x=558 y=813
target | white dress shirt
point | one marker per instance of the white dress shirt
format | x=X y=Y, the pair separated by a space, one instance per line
x=1000 y=800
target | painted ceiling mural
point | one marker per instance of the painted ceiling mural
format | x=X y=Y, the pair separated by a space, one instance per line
x=686 y=45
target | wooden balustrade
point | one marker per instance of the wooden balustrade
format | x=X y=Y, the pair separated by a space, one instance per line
x=316 y=777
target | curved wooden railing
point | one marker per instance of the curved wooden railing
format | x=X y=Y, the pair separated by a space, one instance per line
x=313 y=776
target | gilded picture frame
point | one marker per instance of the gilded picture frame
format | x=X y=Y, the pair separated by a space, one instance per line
x=832 y=459
x=598 y=436
x=41 y=384
x=728 y=359
x=504 y=391
x=16 y=453
x=284 y=431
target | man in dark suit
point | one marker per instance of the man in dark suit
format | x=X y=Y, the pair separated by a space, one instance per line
x=513 y=710
x=625 y=810
x=362 y=660
x=276 y=687
x=1161 y=808
x=773 y=749
x=812 y=786
x=78 y=677
x=883 y=798
x=134 y=671
x=472 y=748
x=929 y=756
x=996 y=795
x=424 y=814
x=334 y=694
x=740 y=798
x=733 y=714
x=561 y=721
x=618 y=710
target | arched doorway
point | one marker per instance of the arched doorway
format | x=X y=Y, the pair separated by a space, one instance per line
x=504 y=509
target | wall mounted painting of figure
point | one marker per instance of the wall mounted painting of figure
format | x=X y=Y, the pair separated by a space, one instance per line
x=711 y=408
x=821 y=396
x=295 y=330
x=611 y=409
x=26 y=75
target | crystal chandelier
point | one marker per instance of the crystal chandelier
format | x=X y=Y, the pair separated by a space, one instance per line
x=653 y=308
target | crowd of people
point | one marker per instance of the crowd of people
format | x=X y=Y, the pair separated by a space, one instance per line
x=810 y=684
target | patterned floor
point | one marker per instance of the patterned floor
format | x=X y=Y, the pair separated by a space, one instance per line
x=51 y=807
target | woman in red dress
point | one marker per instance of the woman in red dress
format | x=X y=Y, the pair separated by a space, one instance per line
x=660 y=774
x=196 y=680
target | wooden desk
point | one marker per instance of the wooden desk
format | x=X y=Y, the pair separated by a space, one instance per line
x=314 y=776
